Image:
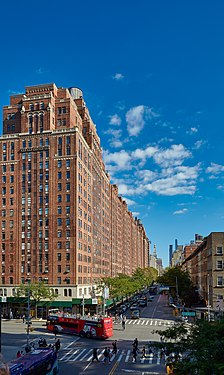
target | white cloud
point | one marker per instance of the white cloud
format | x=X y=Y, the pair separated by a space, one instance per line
x=215 y=168
x=174 y=155
x=115 y=120
x=198 y=144
x=118 y=76
x=192 y=130
x=118 y=160
x=146 y=175
x=136 y=118
x=181 y=212
x=116 y=143
x=144 y=154
x=171 y=186
x=40 y=71
x=220 y=187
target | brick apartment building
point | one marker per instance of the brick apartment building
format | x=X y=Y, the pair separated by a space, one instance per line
x=62 y=221
x=206 y=268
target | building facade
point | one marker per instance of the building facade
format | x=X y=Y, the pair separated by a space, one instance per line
x=206 y=268
x=62 y=221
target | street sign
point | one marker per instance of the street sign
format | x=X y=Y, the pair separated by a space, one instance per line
x=188 y=313
x=94 y=301
x=3 y=299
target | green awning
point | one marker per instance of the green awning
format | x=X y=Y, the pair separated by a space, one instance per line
x=17 y=299
x=60 y=304
x=77 y=301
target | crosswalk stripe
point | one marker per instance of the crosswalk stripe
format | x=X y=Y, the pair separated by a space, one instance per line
x=72 y=355
x=119 y=359
x=127 y=356
x=151 y=322
x=143 y=322
x=147 y=322
x=81 y=359
x=61 y=359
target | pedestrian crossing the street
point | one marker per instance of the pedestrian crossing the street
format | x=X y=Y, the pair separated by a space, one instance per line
x=123 y=355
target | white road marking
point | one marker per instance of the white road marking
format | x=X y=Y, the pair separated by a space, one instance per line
x=127 y=356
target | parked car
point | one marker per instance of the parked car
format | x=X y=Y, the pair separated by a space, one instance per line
x=123 y=308
x=151 y=298
x=135 y=314
x=134 y=307
x=142 y=303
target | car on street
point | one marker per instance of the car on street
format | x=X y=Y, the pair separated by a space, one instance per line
x=134 y=307
x=142 y=303
x=135 y=314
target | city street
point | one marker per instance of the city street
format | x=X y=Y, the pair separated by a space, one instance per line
x=75 y=354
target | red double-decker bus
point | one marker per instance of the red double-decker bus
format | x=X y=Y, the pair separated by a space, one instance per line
x=100 y=328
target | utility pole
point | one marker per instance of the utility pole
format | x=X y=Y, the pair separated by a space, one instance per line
x=28 y=321
x=83 y=305
x=209 y=312
x=177 y=289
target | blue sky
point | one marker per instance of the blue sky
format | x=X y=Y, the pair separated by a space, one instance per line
x=152 y=75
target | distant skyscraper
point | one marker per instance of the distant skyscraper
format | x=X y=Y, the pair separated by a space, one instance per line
x=176 y=244
x=170 y=254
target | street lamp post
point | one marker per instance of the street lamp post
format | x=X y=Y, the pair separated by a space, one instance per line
x=208 y=306
x=28 y=312
x=83 y=306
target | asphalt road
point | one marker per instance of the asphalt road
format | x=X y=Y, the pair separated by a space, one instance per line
x=75 y=354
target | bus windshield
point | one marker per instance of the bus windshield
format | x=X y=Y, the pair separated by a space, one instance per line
x=42 y=361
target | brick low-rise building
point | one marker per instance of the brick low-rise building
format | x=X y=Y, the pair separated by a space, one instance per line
x=206 y=268
x=62 y=221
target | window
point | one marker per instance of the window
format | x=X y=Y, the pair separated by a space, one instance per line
x=219 y=264
x=67 y=268
x=12 y=179
x=29 y=143
x=31 y=107
x=219 y=281
x=42 y=105
x=59 y=221
x=59 y=198
x=68 y=186
x=67 y=257
x=68 y=151
x=59 y=163
x=67 y=163
x=47 y=142
x=3 y=201
x=4 y=179
x=59 y=257
x=3 y=213
x=59 y=233
x=3 y=168
x=59 y=210
x=67 y=197
x=67 y=280
x=67 y=209
x=4 y=190
x=65 y=293
x=12 y=167
x=59 y=175
x=59 y=268
x=70 y=293
x=67 y=175
x=219 y=250
x=59 y=186
x=59 y=245
x=63 y=109
x=59 y=280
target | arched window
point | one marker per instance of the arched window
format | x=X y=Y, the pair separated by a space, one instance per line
x=65 y=293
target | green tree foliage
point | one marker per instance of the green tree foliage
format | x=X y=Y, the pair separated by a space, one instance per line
x=178 y=280
x=36 y=292
x=202 y=347
x=123 y=285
